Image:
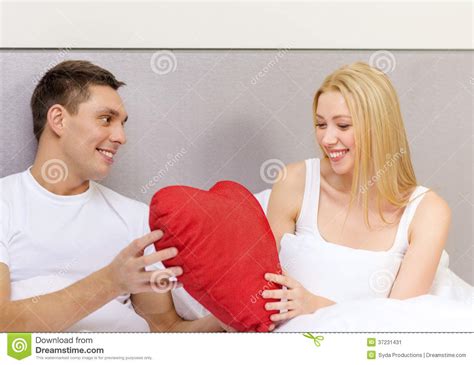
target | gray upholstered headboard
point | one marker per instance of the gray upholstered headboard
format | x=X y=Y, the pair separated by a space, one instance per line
x=200 y=116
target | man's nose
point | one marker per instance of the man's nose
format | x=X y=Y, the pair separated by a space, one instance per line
x=118 y=135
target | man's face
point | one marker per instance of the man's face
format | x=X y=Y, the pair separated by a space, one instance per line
x=93 y=135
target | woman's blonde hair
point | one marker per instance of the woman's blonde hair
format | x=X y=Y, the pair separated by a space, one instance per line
x=382 y=154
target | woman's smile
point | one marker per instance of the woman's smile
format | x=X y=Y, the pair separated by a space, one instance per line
x=337 y=155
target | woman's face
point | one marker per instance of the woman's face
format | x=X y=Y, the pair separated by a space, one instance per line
x=334 y=131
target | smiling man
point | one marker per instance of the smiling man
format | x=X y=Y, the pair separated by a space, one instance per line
x=58 y=223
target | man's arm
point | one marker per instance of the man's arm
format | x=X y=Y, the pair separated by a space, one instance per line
x=61 y=309
x=159 y=312
x=56 y=311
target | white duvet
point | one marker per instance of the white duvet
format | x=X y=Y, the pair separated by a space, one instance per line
x=448 y=308
x=427 y=313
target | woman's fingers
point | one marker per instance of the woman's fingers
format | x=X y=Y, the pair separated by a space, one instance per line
x=282 y=316
x=277 y=294
x=281 y=279
x=279 y=305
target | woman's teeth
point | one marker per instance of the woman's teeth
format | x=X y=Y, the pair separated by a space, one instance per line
x=337 y=154
x=106 y=153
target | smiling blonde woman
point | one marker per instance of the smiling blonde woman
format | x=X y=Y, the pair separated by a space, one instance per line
x=355 y=224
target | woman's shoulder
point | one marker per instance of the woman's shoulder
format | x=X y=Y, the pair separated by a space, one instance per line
x=296 y=169
x=431 y=200
x=288 y=189
x=292 y=177
x=432 y=210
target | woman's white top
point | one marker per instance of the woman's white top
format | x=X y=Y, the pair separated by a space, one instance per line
x=335 y=271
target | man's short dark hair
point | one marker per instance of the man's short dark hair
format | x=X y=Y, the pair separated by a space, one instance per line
x=67 y=84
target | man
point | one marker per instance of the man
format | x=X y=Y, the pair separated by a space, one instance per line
x=54 y=214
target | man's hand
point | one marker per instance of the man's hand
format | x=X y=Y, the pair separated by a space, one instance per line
x=59 y=310
x=127 y=270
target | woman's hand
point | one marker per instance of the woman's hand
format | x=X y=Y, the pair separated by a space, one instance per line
x=299 y=300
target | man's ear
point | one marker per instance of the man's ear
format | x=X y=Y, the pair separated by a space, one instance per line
x=56 y=119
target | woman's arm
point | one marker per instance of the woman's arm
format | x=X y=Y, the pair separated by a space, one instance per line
x=285 y=200
x=428 y=236
x=283 y=211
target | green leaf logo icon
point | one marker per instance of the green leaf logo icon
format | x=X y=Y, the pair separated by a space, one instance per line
x=19 y=345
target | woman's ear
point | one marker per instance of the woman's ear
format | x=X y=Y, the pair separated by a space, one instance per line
x=56 y=119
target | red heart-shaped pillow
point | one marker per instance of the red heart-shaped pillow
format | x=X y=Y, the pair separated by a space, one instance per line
x=225 y=248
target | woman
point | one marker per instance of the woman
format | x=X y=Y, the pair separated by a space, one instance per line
x=354 y=224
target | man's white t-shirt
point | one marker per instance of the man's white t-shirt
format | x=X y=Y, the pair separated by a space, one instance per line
x=56 y=240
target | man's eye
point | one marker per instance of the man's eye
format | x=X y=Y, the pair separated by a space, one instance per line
x=105 y=119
